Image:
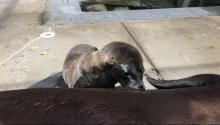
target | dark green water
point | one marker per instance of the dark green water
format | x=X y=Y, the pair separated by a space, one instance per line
x=111 y=5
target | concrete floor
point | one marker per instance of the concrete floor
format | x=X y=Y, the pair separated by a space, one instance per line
x=177 y=48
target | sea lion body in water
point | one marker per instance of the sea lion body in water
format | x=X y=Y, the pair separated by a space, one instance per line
x=192 y=81
x=97 y=106
x=116 y=62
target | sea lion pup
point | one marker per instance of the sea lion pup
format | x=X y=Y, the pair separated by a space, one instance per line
x=192 y=81
x=56 y=80
x=116 y=62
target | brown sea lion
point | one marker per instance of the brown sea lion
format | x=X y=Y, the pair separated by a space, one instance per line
x=116 y=62
x=198 y=105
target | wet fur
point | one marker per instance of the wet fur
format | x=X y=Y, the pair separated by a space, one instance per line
x=100 y=106
x=76 y=64
x=94 y=69
x=86 y=67
x=192 y=81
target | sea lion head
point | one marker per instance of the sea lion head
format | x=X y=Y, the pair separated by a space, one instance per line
x=127 y=64
x=128 y=76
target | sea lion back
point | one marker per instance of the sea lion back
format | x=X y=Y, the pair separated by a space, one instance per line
x=72 y=57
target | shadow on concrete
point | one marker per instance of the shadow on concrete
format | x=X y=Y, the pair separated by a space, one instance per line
x=190 y=67
x=7 y=10
x=213 y=10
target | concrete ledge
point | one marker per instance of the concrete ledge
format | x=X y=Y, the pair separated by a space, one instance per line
x=62 y=12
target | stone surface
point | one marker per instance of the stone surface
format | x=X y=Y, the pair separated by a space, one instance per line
x=19 y=24
x=16 y=31
x=21 y=6
x=30 y=66
x=20 y=28
x=179 y=48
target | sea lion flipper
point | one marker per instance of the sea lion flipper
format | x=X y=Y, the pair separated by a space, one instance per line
x=54 y=81
x=192 y=81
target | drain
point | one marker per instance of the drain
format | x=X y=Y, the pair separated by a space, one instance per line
x=47 y=35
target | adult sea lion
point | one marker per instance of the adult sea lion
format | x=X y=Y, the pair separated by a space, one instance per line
x=198 y=105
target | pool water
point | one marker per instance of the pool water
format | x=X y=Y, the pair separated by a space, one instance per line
x=120 y=5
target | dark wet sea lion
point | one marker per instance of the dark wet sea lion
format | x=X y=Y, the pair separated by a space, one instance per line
x=116 y=62
x=127 y=64
x=198 y=105
x=192 y=81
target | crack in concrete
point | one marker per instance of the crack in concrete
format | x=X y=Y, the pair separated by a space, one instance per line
x=142 y=50
x=17 y=52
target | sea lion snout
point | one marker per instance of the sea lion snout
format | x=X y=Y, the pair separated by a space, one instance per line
x=128 y=76
x=135 y=85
